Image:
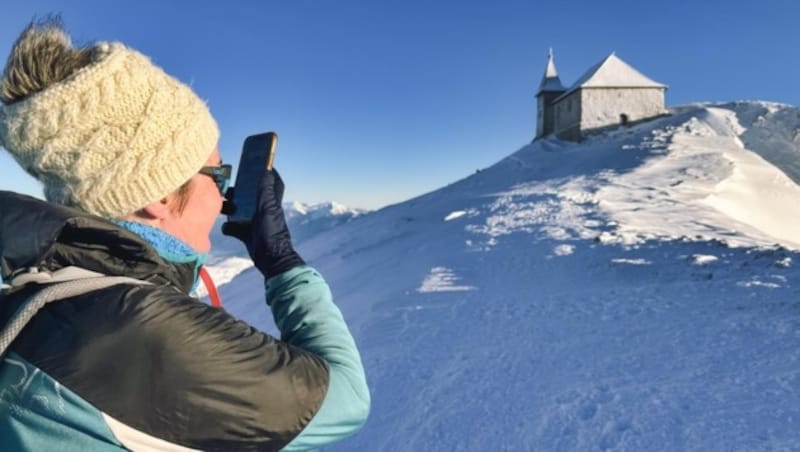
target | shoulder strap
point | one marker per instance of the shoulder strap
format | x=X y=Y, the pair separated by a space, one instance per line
x=211 y=288
x=65 y=283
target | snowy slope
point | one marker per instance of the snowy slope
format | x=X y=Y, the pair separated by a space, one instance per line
x=229 y=257
x=625 y=293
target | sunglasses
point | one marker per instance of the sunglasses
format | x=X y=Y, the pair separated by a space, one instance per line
x=221 y=175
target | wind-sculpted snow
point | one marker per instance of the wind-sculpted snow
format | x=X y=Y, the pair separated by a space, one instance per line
x=442 y=279
x=773 y=132
x=624 y=293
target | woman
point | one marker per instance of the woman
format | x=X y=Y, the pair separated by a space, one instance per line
x=128 y=159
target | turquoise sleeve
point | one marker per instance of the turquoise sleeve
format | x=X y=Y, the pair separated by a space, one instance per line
x=303 y=308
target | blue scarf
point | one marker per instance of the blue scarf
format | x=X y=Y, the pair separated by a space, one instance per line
x=167 y=246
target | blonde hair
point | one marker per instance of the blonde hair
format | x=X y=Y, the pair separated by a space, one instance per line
x=42 y=56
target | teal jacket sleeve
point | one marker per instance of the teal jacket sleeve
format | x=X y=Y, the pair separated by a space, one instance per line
x=303 y=308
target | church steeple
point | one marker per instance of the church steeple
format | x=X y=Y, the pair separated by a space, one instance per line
x=550 y=80
x=549 y=90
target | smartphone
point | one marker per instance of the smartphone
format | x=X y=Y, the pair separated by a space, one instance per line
x=258 y=154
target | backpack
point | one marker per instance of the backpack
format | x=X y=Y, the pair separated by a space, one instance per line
x=58 y=285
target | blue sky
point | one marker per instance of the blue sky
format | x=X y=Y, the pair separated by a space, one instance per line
x=379 y=101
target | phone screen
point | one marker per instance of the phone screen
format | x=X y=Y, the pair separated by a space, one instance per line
x=257 y=154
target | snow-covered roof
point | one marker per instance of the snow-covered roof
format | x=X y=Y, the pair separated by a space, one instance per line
x=550 y=80
x=612 y=72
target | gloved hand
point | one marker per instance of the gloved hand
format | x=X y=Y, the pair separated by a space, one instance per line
x=267 y=237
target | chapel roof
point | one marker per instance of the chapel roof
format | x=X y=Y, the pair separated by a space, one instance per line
x=612 y=72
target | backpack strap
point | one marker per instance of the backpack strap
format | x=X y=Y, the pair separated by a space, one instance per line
x=65 y=283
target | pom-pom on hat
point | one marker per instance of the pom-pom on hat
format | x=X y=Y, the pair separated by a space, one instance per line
x=113 y=136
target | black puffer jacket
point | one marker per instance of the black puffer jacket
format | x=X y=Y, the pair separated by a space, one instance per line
x=151 y=357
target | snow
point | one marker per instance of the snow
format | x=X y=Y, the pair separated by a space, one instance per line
x=635 y=291
x=442 y=279
x=222 y=271
x=229 y=257
x=563 y=250
x=637 y=261
x=454 y=215
x=703 y=259
x=319 y=210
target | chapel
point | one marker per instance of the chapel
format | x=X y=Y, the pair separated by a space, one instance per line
x=610 y=94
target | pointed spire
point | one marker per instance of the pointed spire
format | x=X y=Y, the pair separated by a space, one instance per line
x=550 y=80
x=551 y=66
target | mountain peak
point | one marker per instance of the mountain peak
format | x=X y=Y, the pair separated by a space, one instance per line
x=318 y=210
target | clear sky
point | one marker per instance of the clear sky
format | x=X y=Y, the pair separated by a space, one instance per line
x=379 y=101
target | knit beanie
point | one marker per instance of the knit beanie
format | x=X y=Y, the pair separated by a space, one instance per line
x=112 y=137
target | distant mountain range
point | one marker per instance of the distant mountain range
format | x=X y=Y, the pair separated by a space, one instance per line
x=307 y=220
x=229 y=257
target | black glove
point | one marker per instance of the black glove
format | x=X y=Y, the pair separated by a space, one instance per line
x=267 y=236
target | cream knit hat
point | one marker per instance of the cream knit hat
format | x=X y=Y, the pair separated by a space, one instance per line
x=112 y=137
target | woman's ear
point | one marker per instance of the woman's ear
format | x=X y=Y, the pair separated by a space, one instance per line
x=158 y=210
x=155 y=213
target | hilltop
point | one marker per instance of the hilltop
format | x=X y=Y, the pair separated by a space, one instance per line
x=636 y=291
